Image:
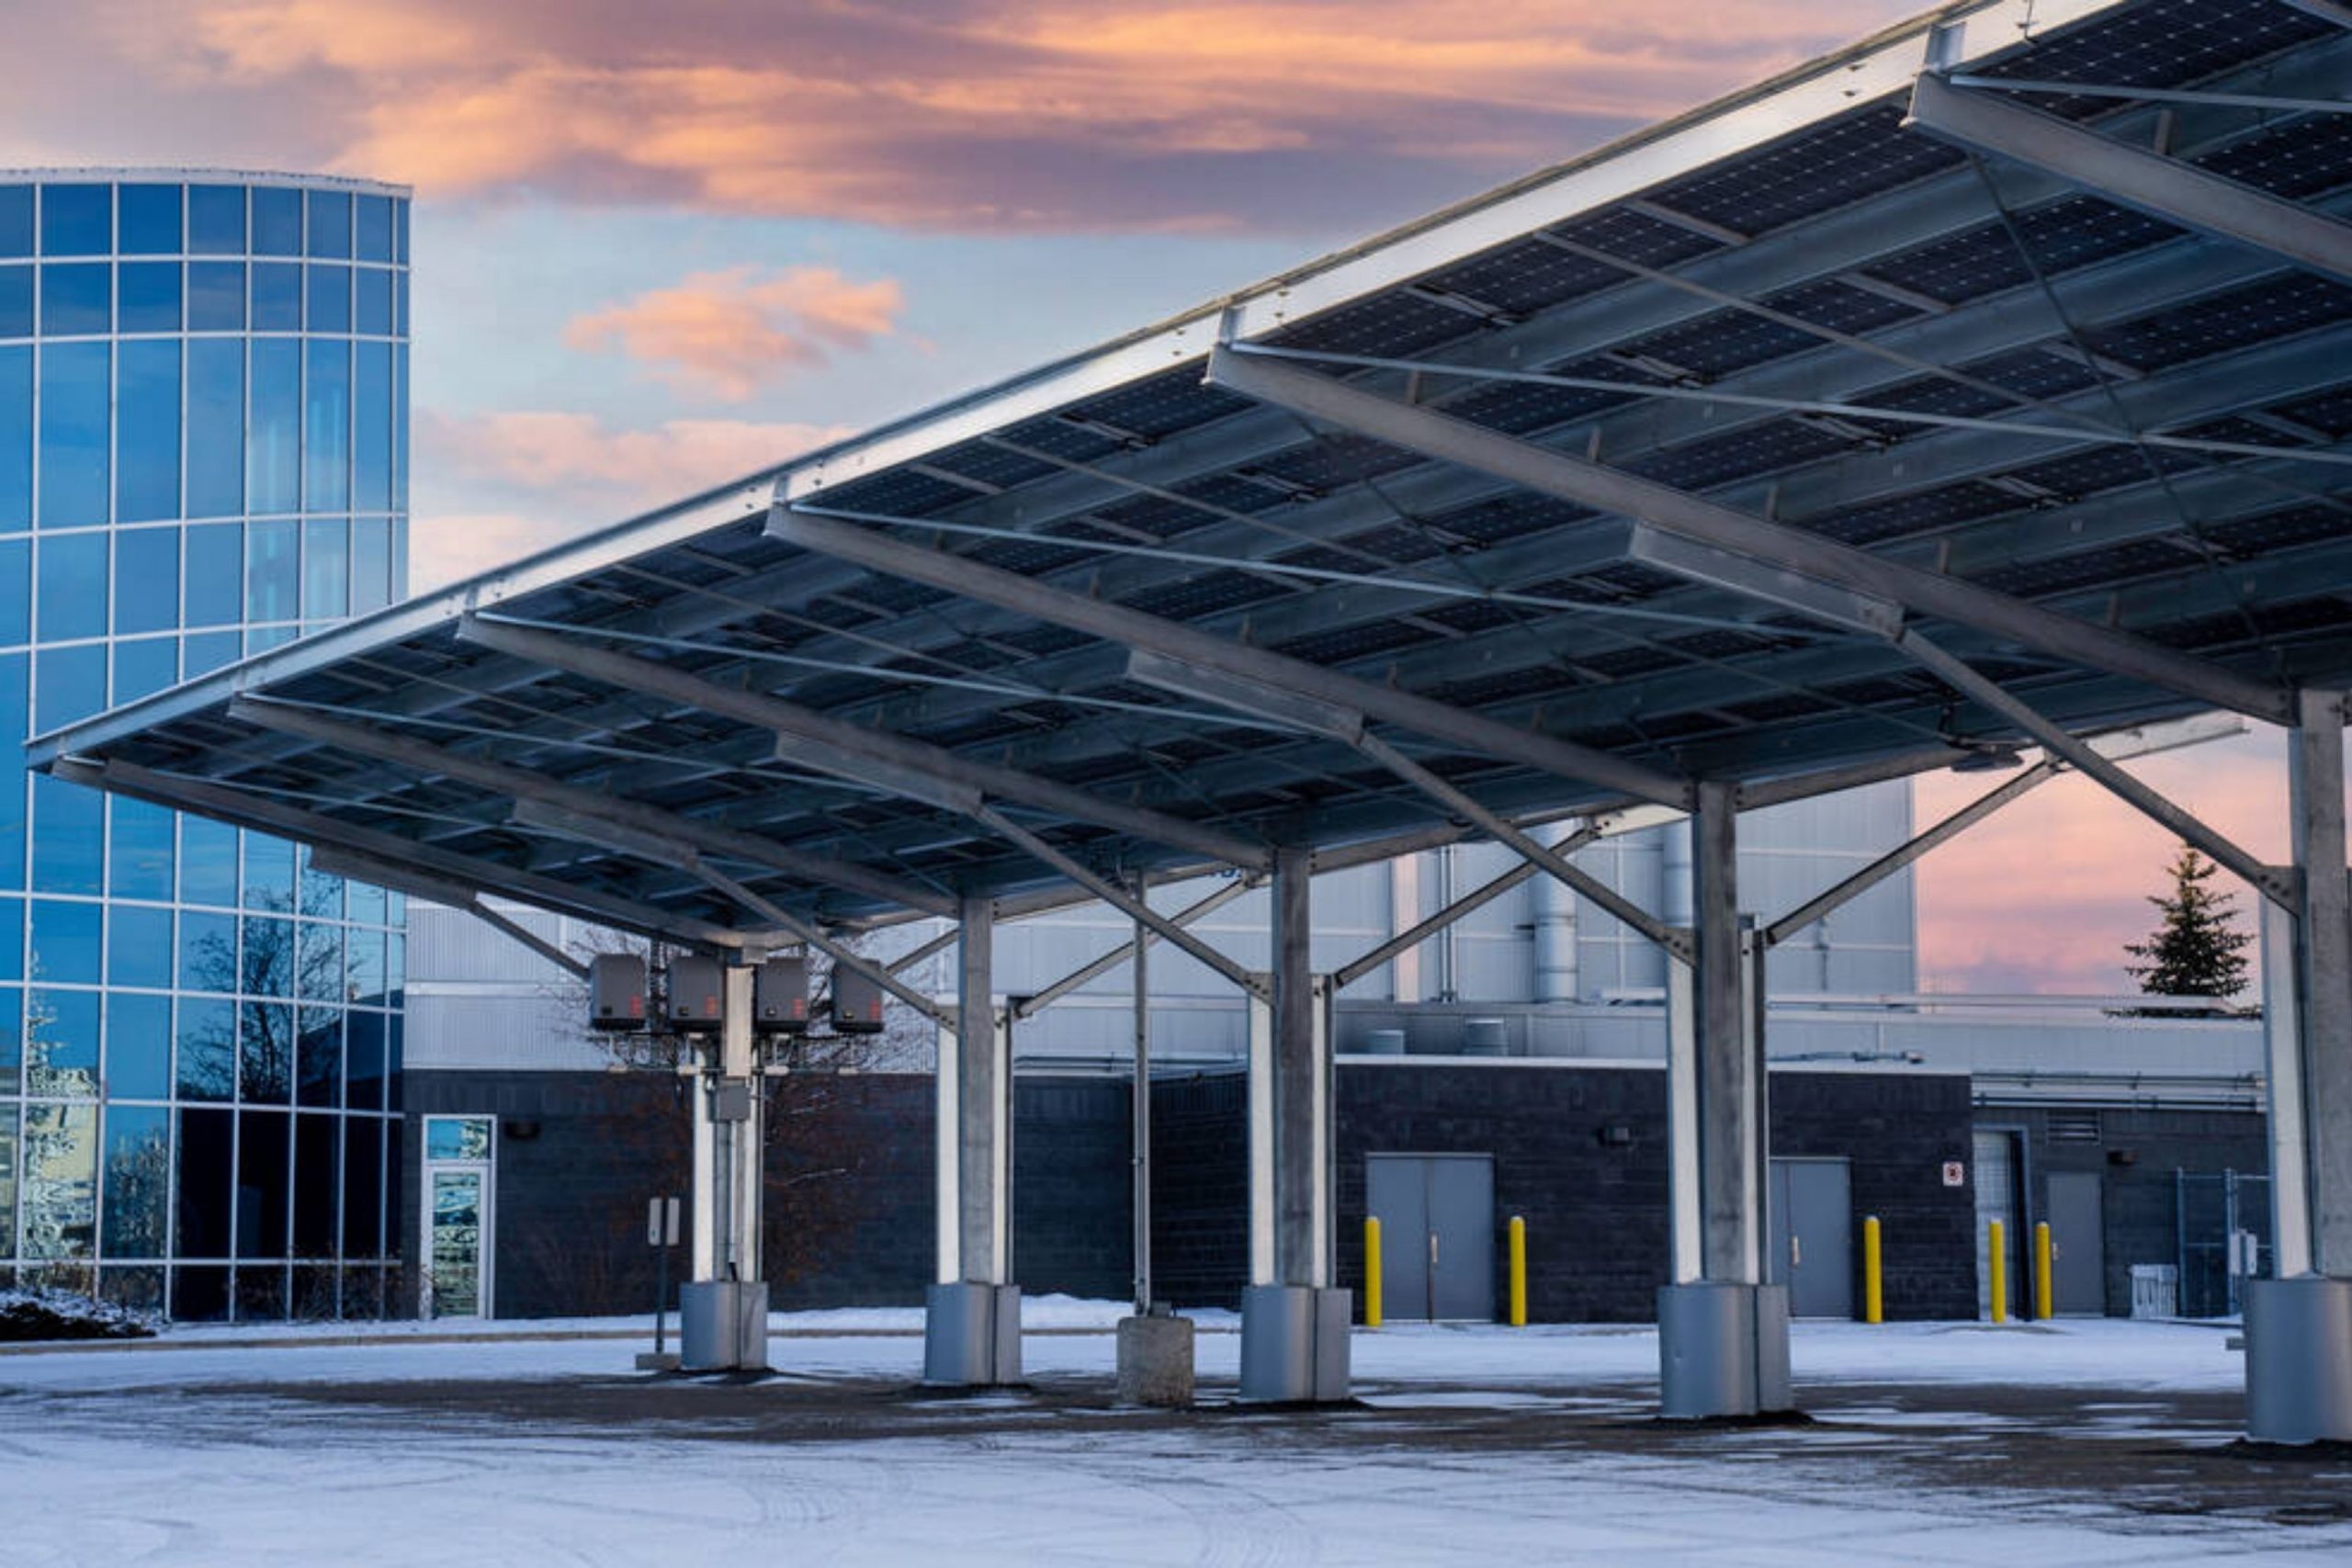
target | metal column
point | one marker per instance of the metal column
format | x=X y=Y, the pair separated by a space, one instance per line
x=1295 y=1325
x=2299 y=1324
x=1723 y=1332
x=723 y=1312
x=972 y=1326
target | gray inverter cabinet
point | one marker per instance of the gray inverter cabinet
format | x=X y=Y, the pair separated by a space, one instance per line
x=857 y=1002
x=617 y=991
x=780 y=996
x=698 y=998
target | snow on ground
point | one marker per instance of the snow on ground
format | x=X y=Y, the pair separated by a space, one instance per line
x=215 y=1453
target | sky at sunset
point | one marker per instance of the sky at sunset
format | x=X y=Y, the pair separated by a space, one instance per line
x=659 y=245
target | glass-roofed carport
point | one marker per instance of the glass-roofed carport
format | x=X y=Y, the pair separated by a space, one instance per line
x=1979 y=387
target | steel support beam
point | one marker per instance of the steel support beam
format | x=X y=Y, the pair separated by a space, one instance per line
x=1094 y=969
x=774 y=714
x=522 y=783
x=1151 y=633
x=2166 y=187
x=245 y=808
x=328 y=861
x=1458 y=441
x=972 y=1322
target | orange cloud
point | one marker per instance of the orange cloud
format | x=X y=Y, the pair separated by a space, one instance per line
x=962 y=114
x=729 y=334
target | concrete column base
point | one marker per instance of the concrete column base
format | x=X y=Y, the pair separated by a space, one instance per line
x=723 y=1325
x=1723 y=1350
x=971 y=1335
x=2299 y=1359
x=1156 y=1361
x=1295 y=1344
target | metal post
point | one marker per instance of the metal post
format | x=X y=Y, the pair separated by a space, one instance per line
x=1294 y=1324
x=1722 y=1335
x=1142 y=1134
x=2299 y=1324
x=972 y=1326
x=723 y=1314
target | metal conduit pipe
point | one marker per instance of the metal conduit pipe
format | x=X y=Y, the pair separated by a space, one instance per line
x=1555 y=929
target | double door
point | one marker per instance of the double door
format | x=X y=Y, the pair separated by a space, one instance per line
x=1437 y=1235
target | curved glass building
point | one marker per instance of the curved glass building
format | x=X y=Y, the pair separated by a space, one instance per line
x=203 y=452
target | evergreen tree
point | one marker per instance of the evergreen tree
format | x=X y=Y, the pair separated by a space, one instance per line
x=2194 y=951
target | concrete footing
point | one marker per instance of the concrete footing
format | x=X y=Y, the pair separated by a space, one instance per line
x=2299 y=1359
x=1156 y=1361
x=971 y=1335
x=1295 y=1344
x=1723 y=1350
x=723 y=1325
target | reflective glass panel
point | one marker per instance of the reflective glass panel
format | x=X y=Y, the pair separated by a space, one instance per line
x=8 y=1175
x=325 y=570
x=266 y=1043
x=139 y=1045
x=73 y=586
x=326 y=426
x=147 y=297
x=216 y=575
x=138 y=1180
x=207 y=1044
x=15 y=721
x=274 y=465
x=141 y=866
x=400 y=432
x=16 y=301
x=16 y=596
x=371 y=480
x=320 y=965
x=216 y=427
x=207 y=863
x=318 y=1179
x=373 y=312
x=16 y=438
x=139 y=945
x=60 y=1197
x=147 y=580
x=65 y=942
x=69 y=836
x=143 y=666
x=12 y=941
x=16 y=220
x=322 y=895
x=202 y=655
x=457 y=1137
x=216 y=296
x=364 y=1057
x=453 y=1257
x=12 y=1060
x=367 y=901
x=73 y=435
x=76 y=299
x=330 y=296
x=371 y=564
x=375 y=213
x=69 y=683
x=61 y=1042
x=330 y=224
x=272 y=565
x=277 y=222
x=319 y=1071
x=147 y=432
x=207 y=960
x=364 y=964
x=265 y=1192
x=278 y=297
x=216 y=220
x=363 y=1188
x=76 y=220
x=150 y=220
x=269 y=957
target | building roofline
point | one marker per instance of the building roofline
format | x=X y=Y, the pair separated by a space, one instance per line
x=167 y=173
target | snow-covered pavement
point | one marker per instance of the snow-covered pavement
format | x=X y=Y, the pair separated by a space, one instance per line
x=2024 y=1447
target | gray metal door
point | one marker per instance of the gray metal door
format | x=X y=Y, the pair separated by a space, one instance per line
x=2077 y=1244
x=1813 y=1231
x=1437 y=1235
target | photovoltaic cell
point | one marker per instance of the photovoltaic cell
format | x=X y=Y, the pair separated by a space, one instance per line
x=1863 y=154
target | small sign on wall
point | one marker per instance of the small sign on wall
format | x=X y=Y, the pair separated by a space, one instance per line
x=1955 y=1173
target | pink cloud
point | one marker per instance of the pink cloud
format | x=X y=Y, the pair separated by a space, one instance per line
x=965 y=114
x=729 y=334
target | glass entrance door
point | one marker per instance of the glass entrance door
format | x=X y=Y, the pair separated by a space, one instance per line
x=459 y=1195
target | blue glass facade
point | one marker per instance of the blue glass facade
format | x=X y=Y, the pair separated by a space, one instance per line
x=203 y=454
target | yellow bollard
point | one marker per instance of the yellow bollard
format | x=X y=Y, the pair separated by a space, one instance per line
x=1518 y=1272
x=1371 y=1272
x=1998 y=1258
x=2041 y=1256
x=1873 y=1277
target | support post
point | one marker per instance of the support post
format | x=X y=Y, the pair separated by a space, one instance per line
x=972 y=1322
x=1155 y=1347
x=2298 y=1324
x=1723 y=1331
x=723 y=1314
x=1294 y=1324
